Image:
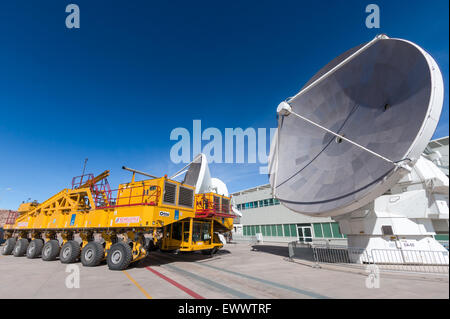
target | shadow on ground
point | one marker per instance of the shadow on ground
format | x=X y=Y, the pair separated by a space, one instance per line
x=304 y=253
x=158 y=258
x=274 y=250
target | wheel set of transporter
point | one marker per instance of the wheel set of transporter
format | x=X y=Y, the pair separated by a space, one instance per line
x=119 y=253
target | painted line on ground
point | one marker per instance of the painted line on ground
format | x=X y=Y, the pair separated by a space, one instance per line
x=137 y=285
x=268 y=282
x=214 y=284
x=226 y=289
x=176 y=284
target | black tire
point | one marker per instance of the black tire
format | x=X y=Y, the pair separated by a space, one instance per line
x=9 y=246
x=21 y=247
x=119 y=256
x=206 y=252
x=70 y=252
x=150 y=245
x=50 y=250
x=210 y=252
x=34 y=249
x=159 y=244
x=92 y=254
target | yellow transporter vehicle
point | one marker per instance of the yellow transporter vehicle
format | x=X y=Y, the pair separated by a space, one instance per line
x=157 y=206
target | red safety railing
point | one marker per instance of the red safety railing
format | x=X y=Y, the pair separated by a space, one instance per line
x=100 y=191
x=12 y=216
x=77 y=181
x=128 y=196
x=205 y=209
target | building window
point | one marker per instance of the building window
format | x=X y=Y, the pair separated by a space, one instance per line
x=274 y=230
x=441 y=237
x=327 y=230
x=287 y=231
x=336 y=231
x=318 y=230
x=259 y=203
x=293 y=228
x=280 y=230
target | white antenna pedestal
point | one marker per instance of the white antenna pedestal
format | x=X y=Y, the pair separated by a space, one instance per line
x=405 y=219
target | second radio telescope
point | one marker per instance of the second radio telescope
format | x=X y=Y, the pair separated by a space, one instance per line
x=386 y=97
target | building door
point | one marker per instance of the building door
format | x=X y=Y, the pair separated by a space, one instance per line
x=304 y=233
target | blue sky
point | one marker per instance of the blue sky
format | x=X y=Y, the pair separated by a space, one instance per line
x=113 y=90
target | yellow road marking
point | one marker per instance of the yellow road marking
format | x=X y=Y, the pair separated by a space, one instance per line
x=137 y=285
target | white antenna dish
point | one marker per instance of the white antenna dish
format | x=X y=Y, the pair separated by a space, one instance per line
x=197 y=174
x=355 y=128
x=219 y=187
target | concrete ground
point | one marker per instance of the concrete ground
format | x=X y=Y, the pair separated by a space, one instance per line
x=236 y=271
